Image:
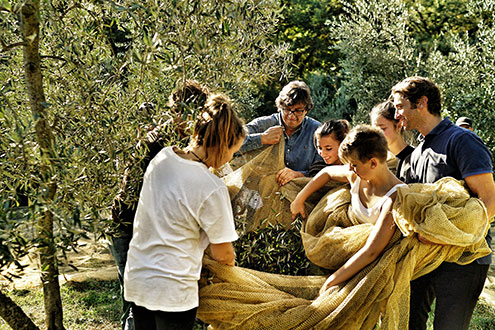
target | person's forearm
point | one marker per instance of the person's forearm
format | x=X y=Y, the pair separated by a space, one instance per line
x=252 y=142
x=316 y=183
x=357 y=262
x=379 y=237
x=483 y=187
x=489 y=202
x=224 y=253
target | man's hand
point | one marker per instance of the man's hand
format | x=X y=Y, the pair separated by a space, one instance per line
x=272 y=135
x=286 y=175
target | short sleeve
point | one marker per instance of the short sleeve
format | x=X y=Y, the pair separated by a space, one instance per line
x=216 y=217
x=471 y=155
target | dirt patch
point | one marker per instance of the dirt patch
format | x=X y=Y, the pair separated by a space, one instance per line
x=93 y=260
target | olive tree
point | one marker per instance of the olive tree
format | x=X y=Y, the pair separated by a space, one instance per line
x=72 y=76
x=380 y=48
x=377 y=51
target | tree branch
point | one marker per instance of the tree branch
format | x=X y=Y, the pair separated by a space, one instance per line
x=9 y=47
x=53 y=57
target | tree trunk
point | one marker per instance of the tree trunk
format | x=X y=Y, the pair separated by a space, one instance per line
x=14 y=315
x=49 y=269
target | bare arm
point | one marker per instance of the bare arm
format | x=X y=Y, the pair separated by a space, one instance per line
x=483 y=187
x=339 y=173
x=379 y=238
x=223 y=253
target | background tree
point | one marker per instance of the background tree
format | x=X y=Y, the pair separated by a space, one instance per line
x=324 y=59
x=379 y=48
x=377 y=51
x=99 y=61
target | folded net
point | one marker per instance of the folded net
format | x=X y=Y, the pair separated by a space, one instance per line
x=240 y=298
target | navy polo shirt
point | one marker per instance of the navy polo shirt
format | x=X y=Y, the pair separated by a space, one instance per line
x=449 y=150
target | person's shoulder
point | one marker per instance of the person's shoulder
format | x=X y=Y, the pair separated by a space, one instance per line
x=311 y=122
x=467 y=141
x=186 y=172
x=273 y=117
x=460 y=133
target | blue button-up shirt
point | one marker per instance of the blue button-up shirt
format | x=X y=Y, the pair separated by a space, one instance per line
x=300 y=151
x=449 y=150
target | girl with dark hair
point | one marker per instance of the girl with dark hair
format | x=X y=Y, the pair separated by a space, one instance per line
x=327 y=139
x=383 y=116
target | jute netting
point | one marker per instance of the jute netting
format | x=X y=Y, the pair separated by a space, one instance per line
x=240 y=298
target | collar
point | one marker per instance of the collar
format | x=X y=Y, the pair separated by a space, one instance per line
x=442 y=126
x=281 y=123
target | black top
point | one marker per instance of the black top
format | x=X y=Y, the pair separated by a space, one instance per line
x=404 y=165
x=125 y=203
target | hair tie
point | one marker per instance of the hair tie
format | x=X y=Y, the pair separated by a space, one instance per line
x=206 y=117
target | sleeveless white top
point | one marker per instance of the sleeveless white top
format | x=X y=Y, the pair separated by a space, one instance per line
x=362 y=213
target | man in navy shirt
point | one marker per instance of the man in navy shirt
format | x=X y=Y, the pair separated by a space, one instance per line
x=291 y=122
x=445 y=150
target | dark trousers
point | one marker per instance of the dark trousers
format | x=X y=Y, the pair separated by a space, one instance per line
x=456 y=289
x=119 y=248
x=145 y=319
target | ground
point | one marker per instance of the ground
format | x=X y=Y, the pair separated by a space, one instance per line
x=94 y=261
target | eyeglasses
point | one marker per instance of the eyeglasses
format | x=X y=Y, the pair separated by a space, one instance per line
x=297 y=113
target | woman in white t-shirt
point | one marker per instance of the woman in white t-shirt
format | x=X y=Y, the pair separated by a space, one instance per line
x=183 y=208
x=373 y=191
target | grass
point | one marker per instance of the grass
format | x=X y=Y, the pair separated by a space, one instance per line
x=483 y=317
x=96 y=305
x=87 y=305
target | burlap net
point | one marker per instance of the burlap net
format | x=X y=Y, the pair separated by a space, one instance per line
x=240 y=298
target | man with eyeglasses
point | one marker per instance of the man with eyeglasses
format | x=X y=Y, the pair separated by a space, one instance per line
x=291 y=123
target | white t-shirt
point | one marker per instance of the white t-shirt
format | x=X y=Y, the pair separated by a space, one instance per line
x=182 y=208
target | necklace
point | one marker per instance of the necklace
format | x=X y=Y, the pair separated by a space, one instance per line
x=199 y=158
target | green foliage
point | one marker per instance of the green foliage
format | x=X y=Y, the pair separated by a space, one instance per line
x=323 y=91
x=431 y=19
x=100 y=61
x=467 y=75
x=483 y=317
x=273 y=249
x=304 y=28
x=379 y=50
x=376 y=53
